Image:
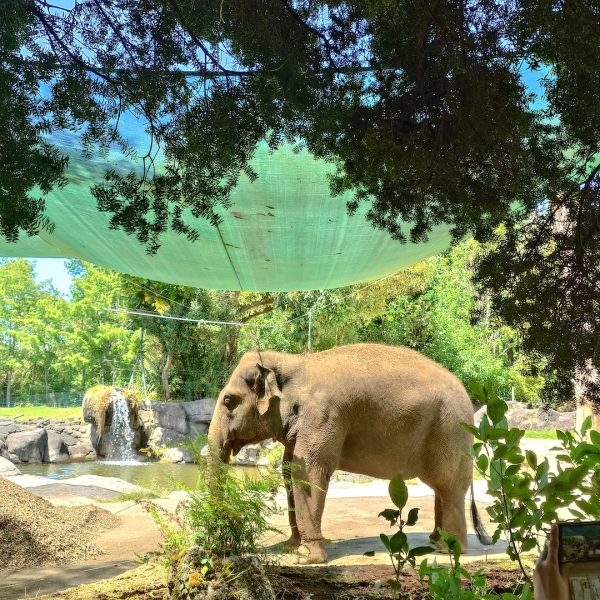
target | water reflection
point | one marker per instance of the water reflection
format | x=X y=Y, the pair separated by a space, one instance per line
x=152 y=475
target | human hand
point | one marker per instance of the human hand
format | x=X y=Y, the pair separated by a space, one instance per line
x=548 y=583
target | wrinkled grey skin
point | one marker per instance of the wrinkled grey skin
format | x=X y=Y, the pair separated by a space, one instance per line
x=366 y=408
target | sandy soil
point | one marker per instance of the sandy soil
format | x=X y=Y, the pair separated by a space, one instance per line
x=350 y=523
x=136 y=535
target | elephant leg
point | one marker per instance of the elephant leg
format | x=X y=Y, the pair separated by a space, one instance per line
x=309 y=489
x=452 y=503
x=435 y=534
x=294 y=540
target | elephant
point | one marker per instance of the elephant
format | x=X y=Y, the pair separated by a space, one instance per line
x=371 y=409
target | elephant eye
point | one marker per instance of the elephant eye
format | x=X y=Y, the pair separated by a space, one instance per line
x=230 y=402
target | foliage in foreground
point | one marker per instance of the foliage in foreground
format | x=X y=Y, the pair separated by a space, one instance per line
x=226 y=514
x=443 y=582
x=420 y=106
x=527 y=493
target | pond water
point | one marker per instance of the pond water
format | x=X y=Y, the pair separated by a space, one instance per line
x=151 y=475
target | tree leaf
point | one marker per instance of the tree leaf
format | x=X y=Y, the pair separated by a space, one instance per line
x=397 y=542
x=413 y=515
x=398 y=491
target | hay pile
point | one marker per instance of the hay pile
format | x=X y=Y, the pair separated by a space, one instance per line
x=33 y=532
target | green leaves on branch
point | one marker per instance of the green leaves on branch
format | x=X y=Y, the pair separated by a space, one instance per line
x=396 y=545
x=527 y=493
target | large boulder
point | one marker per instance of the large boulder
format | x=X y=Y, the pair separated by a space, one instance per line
x=241 y=577
x=28 y=446
x=83 y=451
x=99 y=411
x=169 y=415
x=7 y=468
x=200 y=411
x=177 y=455
x=161 y=436
x=536 y=419
x=58 y=449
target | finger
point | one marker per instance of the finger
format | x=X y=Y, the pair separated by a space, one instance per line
x=553 y=544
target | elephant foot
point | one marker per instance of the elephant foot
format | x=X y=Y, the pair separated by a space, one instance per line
x=292 y=543
x=440 y=545
x=434 y=536
x=313 y=553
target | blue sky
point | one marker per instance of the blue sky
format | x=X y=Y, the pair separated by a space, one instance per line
x=53 y=269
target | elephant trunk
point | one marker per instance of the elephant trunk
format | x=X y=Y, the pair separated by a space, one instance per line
x=219 y=447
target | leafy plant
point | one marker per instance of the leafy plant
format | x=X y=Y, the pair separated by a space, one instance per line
x=397 y=547
x=224 y=515
x=527 y=495
x=176 y=536
x=454 y=582
x=227 y=513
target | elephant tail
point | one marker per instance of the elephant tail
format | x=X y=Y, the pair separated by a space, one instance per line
x=482 y=534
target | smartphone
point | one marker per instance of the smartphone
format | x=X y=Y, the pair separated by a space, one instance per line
x=579 y=542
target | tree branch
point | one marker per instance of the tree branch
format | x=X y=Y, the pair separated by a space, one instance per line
x=258 y=313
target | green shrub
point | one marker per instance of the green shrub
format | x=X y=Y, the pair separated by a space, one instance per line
x=527 y=496
x=225 y=514
x=397 y=545
x=454 y=582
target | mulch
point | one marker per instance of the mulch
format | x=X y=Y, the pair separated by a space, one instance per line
x=33 y=532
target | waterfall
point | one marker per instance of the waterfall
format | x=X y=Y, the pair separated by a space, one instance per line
x=120 y=432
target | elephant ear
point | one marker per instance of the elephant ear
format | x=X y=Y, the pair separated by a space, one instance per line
x=267 y=388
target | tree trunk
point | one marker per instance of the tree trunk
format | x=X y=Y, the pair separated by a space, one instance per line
x=8 y=386
x=46 y=383
x=231 y=345
x=164 y=376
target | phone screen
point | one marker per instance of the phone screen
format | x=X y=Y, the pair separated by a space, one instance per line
x=579 y=542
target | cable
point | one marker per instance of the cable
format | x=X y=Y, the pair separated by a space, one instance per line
x=184 y=319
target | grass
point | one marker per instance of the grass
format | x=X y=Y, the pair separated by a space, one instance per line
x=137 y=496
x=548 y=434
x=46 y=412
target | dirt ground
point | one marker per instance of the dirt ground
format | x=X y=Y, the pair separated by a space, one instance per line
x=136 y=535
x=350 y=524
x=148 y=582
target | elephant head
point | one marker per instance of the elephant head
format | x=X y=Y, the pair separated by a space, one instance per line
x=247 y=408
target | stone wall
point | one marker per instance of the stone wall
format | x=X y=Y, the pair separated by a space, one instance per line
x=533 y=419
x=167 y=424
x=45 y=440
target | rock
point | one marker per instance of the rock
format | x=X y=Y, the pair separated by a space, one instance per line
x=68 y=439
x=196 y=429
x=169 y=415
x=29 y=446
x=58 y=450
x=82 y=451
x=7 y=427
x=247 y=456
x=246 y=578
x=200 y=411
x=164 y=437
x=7 y=468
x=537 y=419
x=177 y=455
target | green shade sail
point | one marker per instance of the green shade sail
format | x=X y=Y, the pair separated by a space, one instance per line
x=282 y=232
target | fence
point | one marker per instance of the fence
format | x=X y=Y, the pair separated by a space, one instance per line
x=55 y=399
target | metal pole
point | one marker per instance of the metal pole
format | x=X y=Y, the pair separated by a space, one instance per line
x=309 y=331
x=142 y=360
